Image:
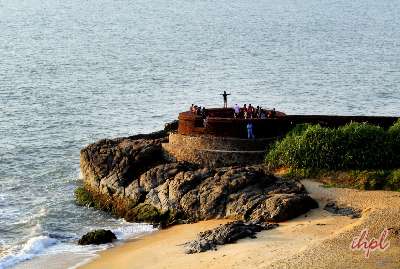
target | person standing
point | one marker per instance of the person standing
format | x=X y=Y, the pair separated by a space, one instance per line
x=273 y=113
x=236 y=110
x=250 y=134
x=245 y=111
x=250 y=111
x=225 y=96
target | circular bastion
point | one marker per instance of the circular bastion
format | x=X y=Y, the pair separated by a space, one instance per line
x=220 y=139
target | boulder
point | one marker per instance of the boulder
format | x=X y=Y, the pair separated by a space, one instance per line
x=334 y=208
x=243 y=193
x=281 y=207
x=116 y=163
x=225 y=234
x=97 y=237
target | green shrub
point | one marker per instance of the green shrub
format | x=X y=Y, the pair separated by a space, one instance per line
x=394 y=143
x=353 y=146
x=370 y=179
x=301 y=173
x=299 y=129
x=83 y=197
x=394 y=180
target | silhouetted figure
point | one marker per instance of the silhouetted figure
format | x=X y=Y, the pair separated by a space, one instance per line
x=203 y=113
x=262 y=114
x=225 y=96
x=273 y=113
x=250 y=111
x=244 y=111
x=258 y=112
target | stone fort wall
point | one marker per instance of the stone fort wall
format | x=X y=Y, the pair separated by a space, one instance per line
x=216 y=151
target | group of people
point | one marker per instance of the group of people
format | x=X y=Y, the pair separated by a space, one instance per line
x=198 y=110
x=250 y=112
x=246 y=112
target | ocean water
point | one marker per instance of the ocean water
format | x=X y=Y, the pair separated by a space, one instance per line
x=73 y=72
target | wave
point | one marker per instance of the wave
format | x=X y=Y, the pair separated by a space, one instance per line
x=33 y=247
x=56 y=243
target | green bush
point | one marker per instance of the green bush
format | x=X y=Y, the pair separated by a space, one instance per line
x=394 y=138
x=370 y=179
x=353 y=146
x=394 y=180
x=83 y=197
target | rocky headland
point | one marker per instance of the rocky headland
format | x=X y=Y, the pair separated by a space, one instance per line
x=134 y=178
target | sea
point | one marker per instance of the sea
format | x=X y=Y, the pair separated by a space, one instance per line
x=73 y=72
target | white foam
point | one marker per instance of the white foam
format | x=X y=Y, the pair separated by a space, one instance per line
x=30 y=249
x=129 y=230
x=44 y=245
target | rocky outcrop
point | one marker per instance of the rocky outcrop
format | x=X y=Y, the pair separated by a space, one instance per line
x=111 y=165
x=97 y=237
x=132 y=178
x=225 y=234
x=246 y=193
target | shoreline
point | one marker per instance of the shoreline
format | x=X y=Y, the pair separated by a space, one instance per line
x=72 y=258
x=315 y=239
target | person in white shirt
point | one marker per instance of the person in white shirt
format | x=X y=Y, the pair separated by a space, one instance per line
x=236 y=109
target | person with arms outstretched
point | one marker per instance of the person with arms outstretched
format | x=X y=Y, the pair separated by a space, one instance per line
x=225 y=96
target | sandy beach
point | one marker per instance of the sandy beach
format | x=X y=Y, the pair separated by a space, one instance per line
x=317 y=239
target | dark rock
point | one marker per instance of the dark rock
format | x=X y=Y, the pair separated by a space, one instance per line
x=281 y=207
x=238 y=192
x=159 y=174
x=97 y=237
x=111 y=165
x=225 y=234
x=343 y=211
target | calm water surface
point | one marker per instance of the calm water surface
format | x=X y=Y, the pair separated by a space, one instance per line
x=73 y=72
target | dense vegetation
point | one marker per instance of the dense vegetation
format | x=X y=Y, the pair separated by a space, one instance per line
x=370 y=152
